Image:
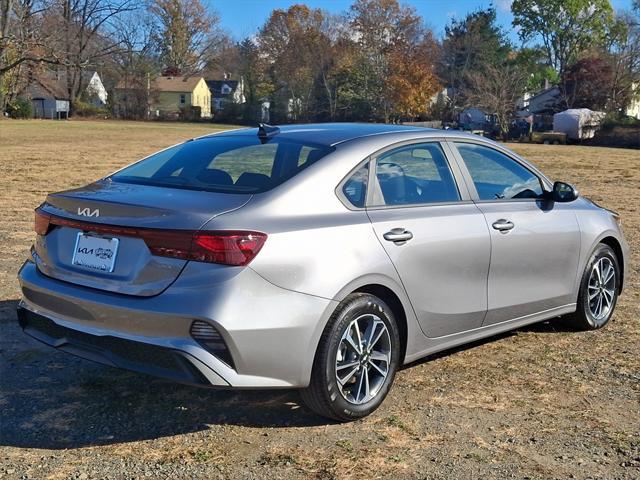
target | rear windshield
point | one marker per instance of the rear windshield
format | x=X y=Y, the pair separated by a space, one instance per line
x=232 y=164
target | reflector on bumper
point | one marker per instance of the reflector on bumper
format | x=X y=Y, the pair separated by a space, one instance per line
x=206 y=335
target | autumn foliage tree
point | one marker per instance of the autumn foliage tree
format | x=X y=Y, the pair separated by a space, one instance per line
x=294 y=41
x=412 y=80
x=587 y=83
x=398 y=56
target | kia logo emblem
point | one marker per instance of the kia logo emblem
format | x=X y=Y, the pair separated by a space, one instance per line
x=87 y=212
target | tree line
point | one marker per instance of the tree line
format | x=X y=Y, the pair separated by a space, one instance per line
x=376 y=62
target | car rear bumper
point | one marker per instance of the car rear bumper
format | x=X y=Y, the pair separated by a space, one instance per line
x=117 y=352
x=271 y=333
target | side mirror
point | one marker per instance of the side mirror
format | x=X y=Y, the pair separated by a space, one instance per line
x=563 y=192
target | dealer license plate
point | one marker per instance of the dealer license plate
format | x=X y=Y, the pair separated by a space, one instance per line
x=95 y=253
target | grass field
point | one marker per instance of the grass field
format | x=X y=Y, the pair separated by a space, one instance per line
x=541 y=402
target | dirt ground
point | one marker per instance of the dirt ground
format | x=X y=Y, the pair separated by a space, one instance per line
x=541 y=402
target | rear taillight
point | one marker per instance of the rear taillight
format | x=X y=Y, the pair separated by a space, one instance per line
x=229 y=248
x=225 y=247
x=42 y=222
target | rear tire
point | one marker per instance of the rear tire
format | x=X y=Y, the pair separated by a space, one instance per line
x=356 y=360
x=599 y=289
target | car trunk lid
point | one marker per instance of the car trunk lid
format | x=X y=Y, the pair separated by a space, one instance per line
x=98 y=233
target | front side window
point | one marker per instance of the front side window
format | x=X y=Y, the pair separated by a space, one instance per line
x=233 y=164
x=415 y=174
x=497 y=176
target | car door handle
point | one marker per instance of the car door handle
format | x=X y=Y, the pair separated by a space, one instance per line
x=398 y=235
x=503 y=225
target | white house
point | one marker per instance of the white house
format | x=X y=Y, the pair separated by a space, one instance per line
x=94 y=89
x=633 y=110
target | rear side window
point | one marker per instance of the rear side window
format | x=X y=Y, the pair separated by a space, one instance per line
x=416 y=174
x=355 y=188
x=233 y=164
x=497 y=176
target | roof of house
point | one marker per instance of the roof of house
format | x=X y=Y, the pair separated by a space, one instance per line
x=216 y=87
x=544 y=101
x=554 y=90
x=176 y=84
x=54 y=82
x=43 y=85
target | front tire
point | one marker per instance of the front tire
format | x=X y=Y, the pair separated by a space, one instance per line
x=599 y=289
x=356 y=361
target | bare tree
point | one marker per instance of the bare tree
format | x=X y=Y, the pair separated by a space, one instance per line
x=496 y=89
x=623 y=53
x=135 y=64
x=86 y=28
x=22 y=41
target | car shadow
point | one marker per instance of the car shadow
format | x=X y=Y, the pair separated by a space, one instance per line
x=547 y=326
x=53 y=400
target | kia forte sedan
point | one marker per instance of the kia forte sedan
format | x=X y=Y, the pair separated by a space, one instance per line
x=316 y=257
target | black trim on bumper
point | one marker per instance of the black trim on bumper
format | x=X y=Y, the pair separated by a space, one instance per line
x=117 y=352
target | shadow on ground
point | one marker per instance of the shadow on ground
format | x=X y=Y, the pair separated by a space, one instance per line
x=53 y=400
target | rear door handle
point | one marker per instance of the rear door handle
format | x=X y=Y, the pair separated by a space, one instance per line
x=503 y=225
x=398 y=235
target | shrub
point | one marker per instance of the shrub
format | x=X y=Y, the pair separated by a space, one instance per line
x=20 y=108
x=613 y=120
x=190 y=113
x=85 y=109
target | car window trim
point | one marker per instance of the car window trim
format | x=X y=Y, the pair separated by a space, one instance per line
x=463 y=192
x=420 y=205
x=545 y=183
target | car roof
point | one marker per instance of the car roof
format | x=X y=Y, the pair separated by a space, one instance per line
x=331 y=134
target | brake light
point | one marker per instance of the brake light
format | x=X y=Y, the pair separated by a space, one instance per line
x=236 y=248
x=42 y=222
x=228 y=248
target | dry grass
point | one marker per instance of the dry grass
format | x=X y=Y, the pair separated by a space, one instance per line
x=540 y=403
x=37 y=157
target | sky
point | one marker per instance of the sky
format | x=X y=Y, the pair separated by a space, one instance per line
x=243 y=18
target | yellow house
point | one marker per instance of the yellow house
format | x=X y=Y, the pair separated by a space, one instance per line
x=172 y=94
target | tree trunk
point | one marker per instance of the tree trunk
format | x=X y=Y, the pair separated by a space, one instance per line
x=5 y=10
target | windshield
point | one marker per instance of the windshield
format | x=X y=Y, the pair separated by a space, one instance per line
x=232 y=164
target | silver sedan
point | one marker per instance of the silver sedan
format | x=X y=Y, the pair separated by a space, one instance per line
x=319 y=257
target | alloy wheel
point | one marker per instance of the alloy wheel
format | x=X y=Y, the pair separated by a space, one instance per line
x=363 y=359
x=601 y=288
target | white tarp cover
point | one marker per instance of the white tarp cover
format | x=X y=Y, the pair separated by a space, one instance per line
x=577 y=123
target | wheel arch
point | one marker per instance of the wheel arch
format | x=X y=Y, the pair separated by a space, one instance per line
x=615 y=245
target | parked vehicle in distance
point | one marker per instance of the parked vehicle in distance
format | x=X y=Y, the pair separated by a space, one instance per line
x=548 y=138
x=319 y=257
